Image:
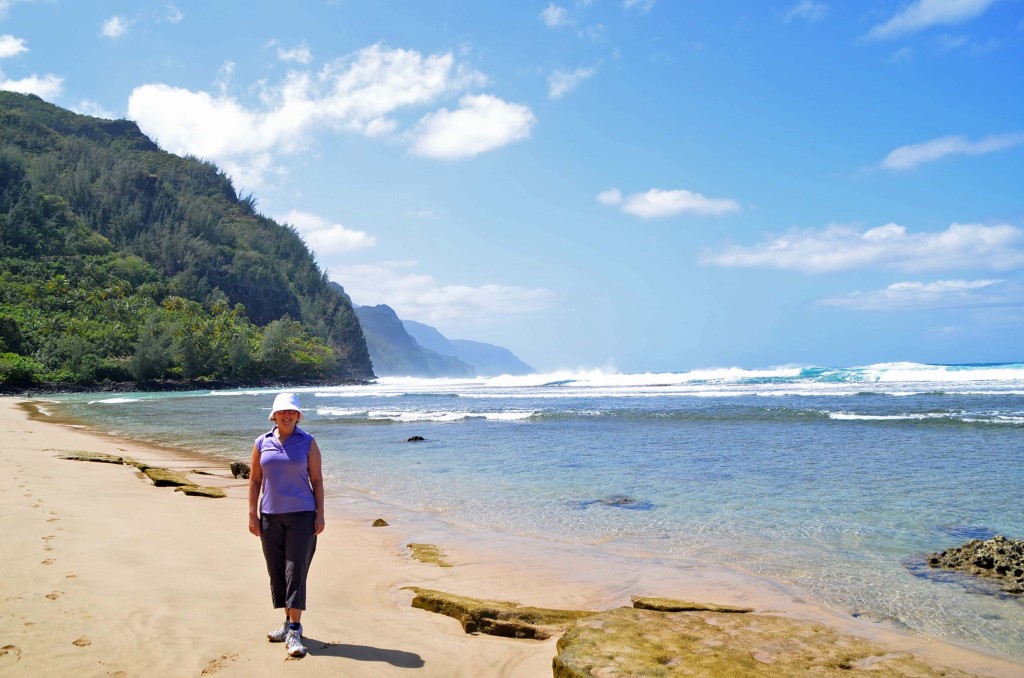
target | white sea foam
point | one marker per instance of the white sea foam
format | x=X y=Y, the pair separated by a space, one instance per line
x=114 y=401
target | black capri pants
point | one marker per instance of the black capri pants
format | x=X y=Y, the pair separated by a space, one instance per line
x=289 y=542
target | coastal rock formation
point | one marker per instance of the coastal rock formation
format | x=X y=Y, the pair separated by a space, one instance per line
x=429 y=554
x=635 y=642
x=670 y=605
x=197 y=491
x=163 y=477
x=240 y=469
x=497 y=618
x=997 y=558
x=92 y=456
x=380 y=522
x=415 y=439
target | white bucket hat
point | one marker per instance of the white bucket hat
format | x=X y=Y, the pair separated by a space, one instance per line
x=285 y=401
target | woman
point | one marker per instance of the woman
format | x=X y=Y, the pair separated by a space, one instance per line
x=286 y=471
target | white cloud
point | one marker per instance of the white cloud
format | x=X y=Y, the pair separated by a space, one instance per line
x=114 y=27
x=924 y=14
x=841 y=248
x=174 y=14
x=561 y=83
x=657 y=203
x=807 y=10
x=11 y=46
x=47 y=86
x=915 y=295
x=641 y=5
x=325 y=238
x=357 y=93
x=89 y=107
x=909 y=157
x=300 y=54
x=481 y=123
x=554 y=16
x=424 y=298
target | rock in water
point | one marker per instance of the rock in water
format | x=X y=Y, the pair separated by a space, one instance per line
x=997 y=558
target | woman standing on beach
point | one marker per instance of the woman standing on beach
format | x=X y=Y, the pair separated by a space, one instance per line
x=286 y=471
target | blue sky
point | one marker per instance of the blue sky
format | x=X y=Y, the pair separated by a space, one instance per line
x=641 y=185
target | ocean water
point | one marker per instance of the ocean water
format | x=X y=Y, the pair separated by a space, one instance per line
x=835 y=482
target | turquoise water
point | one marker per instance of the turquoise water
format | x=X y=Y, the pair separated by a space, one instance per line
x=836 y=482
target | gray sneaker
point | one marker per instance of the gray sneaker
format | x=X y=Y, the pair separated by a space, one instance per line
x=279 y=635
x=293 y=643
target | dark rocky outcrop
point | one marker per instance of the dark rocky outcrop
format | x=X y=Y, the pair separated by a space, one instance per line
x=380 y=522
x=998 y=558
x=415 y=439
x=240 y=469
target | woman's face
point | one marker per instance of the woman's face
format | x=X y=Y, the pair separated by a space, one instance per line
x=286 y=417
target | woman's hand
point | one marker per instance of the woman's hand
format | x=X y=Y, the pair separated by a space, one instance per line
x=254 y=524
x=319 y=524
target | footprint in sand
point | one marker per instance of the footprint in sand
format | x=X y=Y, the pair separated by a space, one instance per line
x=53 y=520
x=71 y=575
x=49 y=561
x=220 y=662
x=11 y=649
x=82 y=642
x=55 y=595
x=47 y=548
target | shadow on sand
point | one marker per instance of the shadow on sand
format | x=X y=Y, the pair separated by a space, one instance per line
x=364 y=653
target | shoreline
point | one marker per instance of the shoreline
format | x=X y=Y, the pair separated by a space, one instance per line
x=142 y=579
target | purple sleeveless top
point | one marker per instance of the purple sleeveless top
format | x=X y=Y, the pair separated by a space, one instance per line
x=286 y=486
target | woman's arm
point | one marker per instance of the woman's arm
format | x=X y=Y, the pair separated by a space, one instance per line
x=316 y=479
x=255 y=484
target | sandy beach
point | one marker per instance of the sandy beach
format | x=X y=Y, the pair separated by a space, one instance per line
x=107 y=575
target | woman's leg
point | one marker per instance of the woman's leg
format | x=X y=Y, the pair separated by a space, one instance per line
x=273 y=538
x=299 y=547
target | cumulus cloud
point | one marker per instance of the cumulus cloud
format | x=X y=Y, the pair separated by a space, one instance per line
x=11 y=46
x=423 y=297
x=913 y=155
x=841 y=248
x=657 y=203
x=561 y=83
x=806 y=10
x=47 y=86
x=920 y=295
x=924 y=14
x=554 y=16
x=481 y=123
x=114 y=27
x=324 y=237
x=359 y=94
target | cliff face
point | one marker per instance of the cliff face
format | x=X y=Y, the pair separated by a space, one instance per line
x=395 y=353
x=487 y=359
